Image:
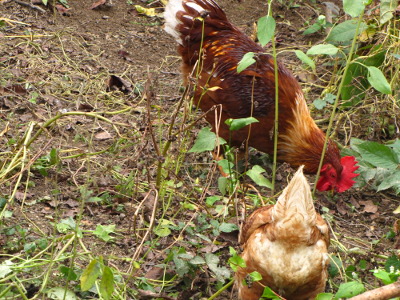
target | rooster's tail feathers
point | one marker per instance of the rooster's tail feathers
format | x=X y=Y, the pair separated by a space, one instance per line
x=184 y=16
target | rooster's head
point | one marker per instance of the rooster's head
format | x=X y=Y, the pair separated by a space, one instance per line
x=338 y=179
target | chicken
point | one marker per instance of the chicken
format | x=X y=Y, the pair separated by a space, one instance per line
x=287 y=244
x=211 y=48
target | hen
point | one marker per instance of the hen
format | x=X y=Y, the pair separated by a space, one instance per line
x=202 y=30
x=287 y=244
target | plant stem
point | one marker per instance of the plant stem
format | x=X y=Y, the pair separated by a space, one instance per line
x=222 y=289
x=335 y=105
x=276 y=120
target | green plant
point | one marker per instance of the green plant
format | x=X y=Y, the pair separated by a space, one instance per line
x=379 y=164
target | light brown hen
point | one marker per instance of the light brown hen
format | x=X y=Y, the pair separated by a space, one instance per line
x=287 y=244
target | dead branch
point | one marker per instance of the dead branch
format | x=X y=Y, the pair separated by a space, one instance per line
x=30 y=5
x=383 y=293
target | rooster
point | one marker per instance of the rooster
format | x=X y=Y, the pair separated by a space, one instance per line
x=287 y=244
x=211 y=48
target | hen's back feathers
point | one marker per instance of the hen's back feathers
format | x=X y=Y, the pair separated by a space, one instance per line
x=287 y=244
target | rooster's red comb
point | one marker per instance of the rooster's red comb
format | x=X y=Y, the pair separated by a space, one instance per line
x=346 y=178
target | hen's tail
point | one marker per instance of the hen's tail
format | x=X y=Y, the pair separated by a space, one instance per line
x=189 y=21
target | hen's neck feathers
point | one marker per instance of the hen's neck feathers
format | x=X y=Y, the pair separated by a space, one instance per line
x=294 y=214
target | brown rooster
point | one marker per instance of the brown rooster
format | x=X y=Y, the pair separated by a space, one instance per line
x=202 y=30
x=287 y=244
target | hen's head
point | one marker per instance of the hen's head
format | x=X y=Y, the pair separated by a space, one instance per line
x=340 y=177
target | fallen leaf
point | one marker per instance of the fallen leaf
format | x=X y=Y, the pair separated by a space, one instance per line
x=150 y=12
x=117 y=83
x=21 y=196
x=211 y=248
x=104 y=135
x=123 y=53
x=4 y=131
x=369 y=206
x=97 y=4
x=62 y=10
x=72 y=203
x=232 y=237
x=341 y=207
x=354 y=202
x=154 y=273
x=13 y=89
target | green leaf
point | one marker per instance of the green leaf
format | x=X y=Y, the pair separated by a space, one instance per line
x=363 y=264
x=228 y=227
x=350 y=289
x=107 y=283
x=378 y=80
x=103 y=232
x=68 y=273
x=45 y=2
x=305 y=59
x=226 y=165
x=222 y=184
x=393 y=181
x=353 y=7
x=236 y=124
x=392 y=261
x=5 y=268
x=383 y=275
x=255 y=276
x=59 y=293
x=324 y=296
x=334 y=265
x=235 y=260
x=162 y=229
x=326 y=49
x=319 y=104
x=89 y=275
x=313 y=28
x=255 y=174
x=269 y=294
x=379 y=155
x=386 y=8
x=66 y=225
x=247 y=60
x=265 y=29
x=344 y=32
x=197 y=260
x=206 y=141
x=212 y=199
x=212 y=261
x=330 y=98
x=181 y=266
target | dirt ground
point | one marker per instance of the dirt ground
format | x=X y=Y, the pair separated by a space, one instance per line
x=62 y=62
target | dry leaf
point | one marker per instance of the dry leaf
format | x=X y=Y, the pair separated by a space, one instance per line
x=150 y=12
x=154 y=273
x=62 y=10
x=104 y=135
x=117 y=83
x=342 y=207
x=97 y=4
x=370 y=207
x=354 y=202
